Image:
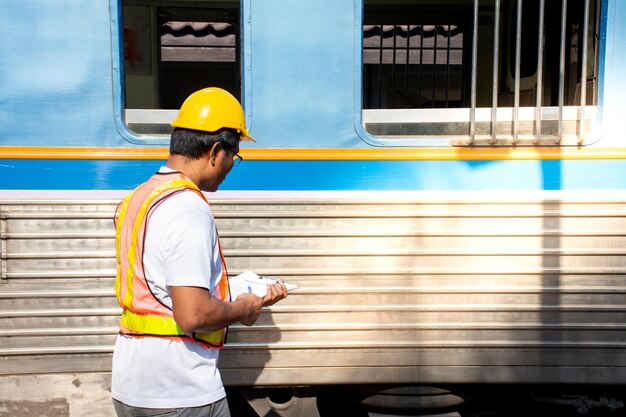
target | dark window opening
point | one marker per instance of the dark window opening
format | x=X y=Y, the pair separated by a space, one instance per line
x=172 y=50
x=414 y=57
x=419 y=56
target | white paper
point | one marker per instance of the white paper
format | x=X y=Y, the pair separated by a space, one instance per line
x=249 y=282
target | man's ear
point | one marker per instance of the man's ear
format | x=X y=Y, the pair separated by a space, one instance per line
x=215 y=149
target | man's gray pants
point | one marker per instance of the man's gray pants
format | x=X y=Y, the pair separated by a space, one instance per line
x=216 y=409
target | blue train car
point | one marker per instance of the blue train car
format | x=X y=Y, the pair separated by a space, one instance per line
x=444 y=180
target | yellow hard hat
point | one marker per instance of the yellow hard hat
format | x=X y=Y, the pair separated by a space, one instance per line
x=210 y=110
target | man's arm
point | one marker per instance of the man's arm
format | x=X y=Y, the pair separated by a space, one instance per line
x=194 y=309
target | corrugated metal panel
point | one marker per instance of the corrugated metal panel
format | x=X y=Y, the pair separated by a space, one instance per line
x=403 y=291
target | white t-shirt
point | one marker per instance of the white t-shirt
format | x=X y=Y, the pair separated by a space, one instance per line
x=181 y=249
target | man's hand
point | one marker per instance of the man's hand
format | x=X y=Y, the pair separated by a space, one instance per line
x=253 y=303
x=275 y=293
x=252 y=308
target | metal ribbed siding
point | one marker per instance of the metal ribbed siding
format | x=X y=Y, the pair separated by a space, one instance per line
x=58 y=312
x=401 y=291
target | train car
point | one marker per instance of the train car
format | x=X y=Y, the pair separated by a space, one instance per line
x=444 y=180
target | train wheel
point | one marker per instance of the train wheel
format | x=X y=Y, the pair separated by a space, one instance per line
x=375 y=400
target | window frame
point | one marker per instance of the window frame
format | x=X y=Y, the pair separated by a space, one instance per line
x=118 y=87
x=433 y=140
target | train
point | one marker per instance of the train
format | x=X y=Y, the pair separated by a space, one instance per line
x=444 y=180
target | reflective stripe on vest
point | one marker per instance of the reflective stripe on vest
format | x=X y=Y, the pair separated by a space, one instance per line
x=138 y=324
x=144 y=314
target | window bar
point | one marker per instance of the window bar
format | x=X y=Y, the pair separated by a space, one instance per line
x=539 y=89
x=393 y=68
x=419 y=95
x=583 y=76
x=380 y=70
x=406 y=73
x=474 y=71
x=465 y=65
x=562 y=71
x=237 y=60
x=434 y=69
x=518 y=64
x=494 y=88
x=448 y=67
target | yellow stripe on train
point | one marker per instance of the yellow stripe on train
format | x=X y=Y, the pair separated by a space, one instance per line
x=336 y=154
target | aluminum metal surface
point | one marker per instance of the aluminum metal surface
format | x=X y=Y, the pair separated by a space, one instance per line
x=392 y=291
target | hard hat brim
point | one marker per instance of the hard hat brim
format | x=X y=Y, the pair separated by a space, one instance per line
x=244 y=137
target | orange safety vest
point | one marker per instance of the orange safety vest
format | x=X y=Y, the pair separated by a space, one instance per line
x=143 y=314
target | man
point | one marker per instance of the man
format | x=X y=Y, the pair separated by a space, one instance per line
x=171 y=275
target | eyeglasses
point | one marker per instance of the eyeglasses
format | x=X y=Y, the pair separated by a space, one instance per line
x=236 y=158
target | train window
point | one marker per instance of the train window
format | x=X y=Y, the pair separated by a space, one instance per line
x=470 y=72
x=172 y=49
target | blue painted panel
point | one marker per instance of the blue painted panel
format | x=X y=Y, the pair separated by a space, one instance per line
x=301 y=61
x=331 y=175
x=74 y=174
x=55 y=69
x=58 y=79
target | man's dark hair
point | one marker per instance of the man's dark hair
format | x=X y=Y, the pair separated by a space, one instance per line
x=194 y=143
